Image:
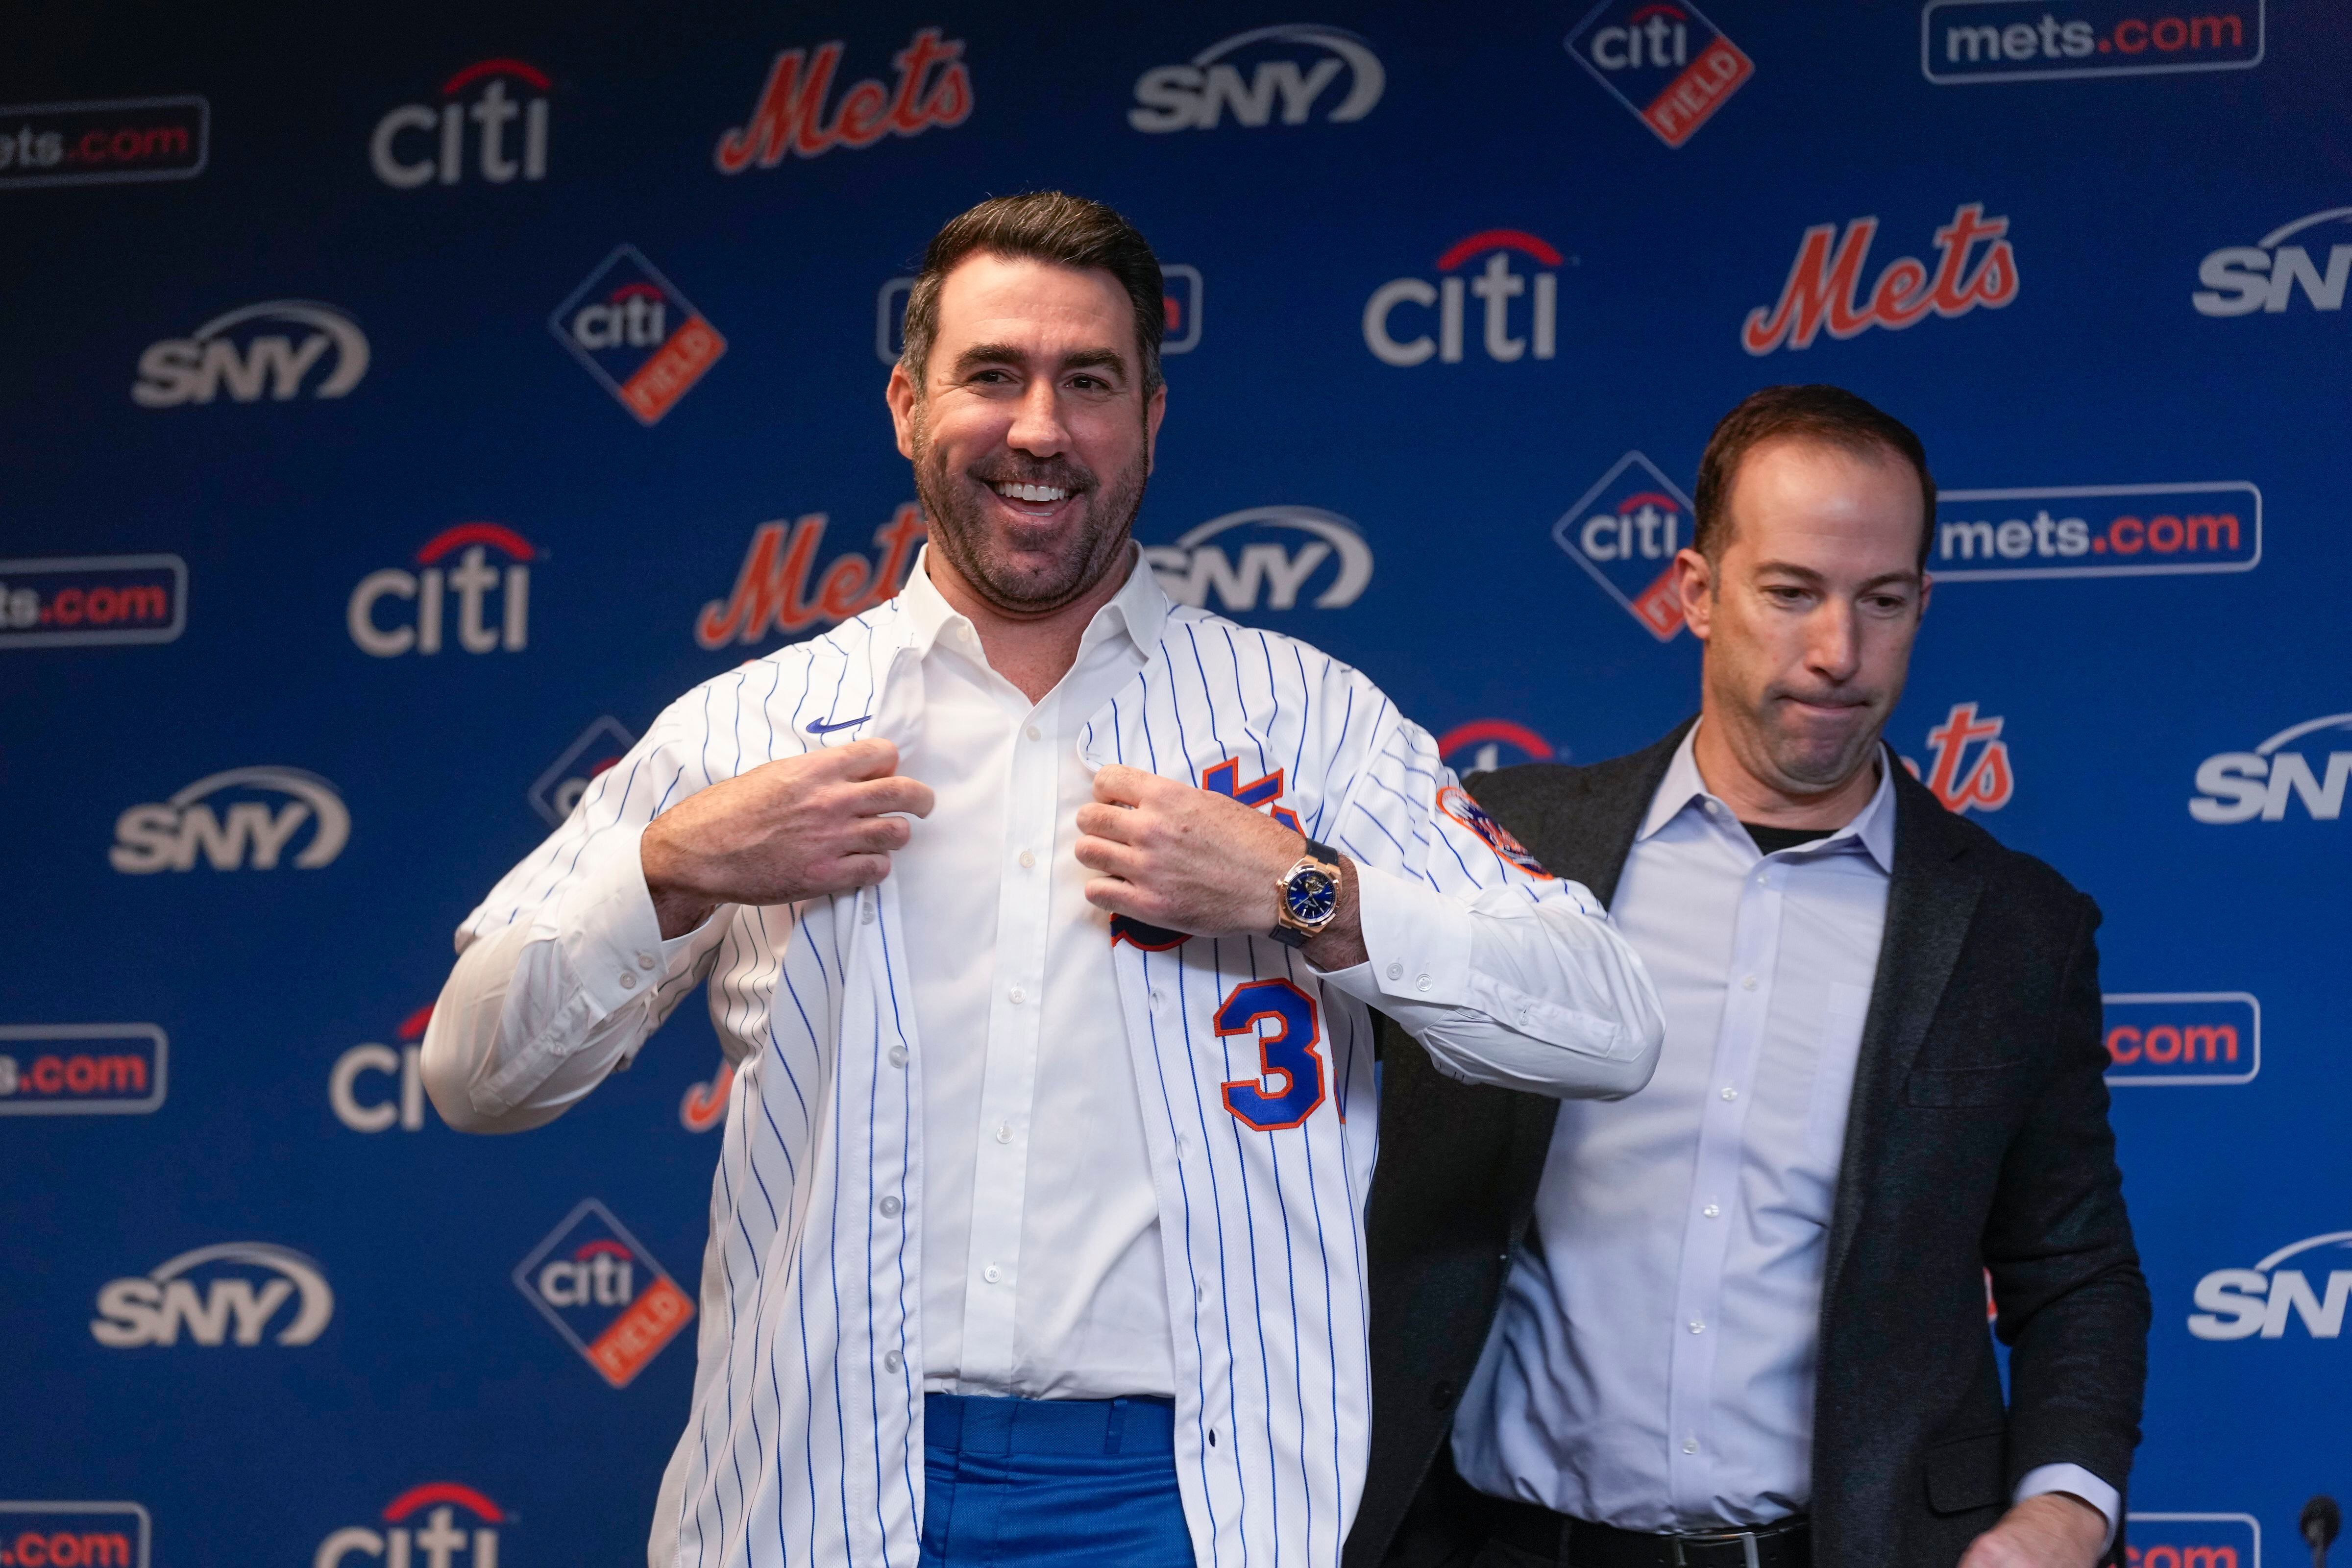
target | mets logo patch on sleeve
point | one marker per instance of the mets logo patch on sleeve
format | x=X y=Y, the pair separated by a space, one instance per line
x=1455 y=802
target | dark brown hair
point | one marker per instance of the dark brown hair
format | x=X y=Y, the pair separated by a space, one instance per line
x=1045 y=225
x=1826 y=414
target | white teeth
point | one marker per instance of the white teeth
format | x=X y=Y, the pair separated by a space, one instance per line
x=1032 y=492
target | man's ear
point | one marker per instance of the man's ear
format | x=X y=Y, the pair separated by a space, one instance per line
x=1153 y=412
x=1694 y=590
x=900 y=393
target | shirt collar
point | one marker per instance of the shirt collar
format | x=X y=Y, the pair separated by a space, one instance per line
x=1873 y=826
x=1137 y=611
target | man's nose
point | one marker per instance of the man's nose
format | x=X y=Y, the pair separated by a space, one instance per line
x=1832 y=647
x=1037 y=427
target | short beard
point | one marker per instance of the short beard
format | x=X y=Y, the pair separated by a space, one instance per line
x=978 y=556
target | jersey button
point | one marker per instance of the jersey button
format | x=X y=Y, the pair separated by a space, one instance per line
x=628 y=981
x=1396 y=972
x=897 y=1056
x=1028 y=860
x=890 y=1207
x=992 y=1274
x=1016 y=995
x=1004 y=1133
x=645 y=961
x=891 y=1361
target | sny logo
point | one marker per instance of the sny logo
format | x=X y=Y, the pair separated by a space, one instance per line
x=1959 y=781
x=1824 y=284
x=1482 y=746
x=2241 y=279
x=2181 y=1037
x=2239 y=1303
x=790 y=116
x=772 y=590
x=1192 y=567
x=165 y=837
x=437 y=136
x=1624 y=533
x=2097 y=531
x=1963 y=41
x=88 y=1068
x=74 y=1534
x=472 y=579
x=406 y=1063
x=92 y=599
x=1179 y=306
x=440 y=1540
x=1497 y=285
x=2194 y=1541
x=1667 y=63
x=179 y=371
x=643 y=340
x=1195 y=96
x=229 y=1310
x=558 y=790
x=2239 y=787
x=603 y=1293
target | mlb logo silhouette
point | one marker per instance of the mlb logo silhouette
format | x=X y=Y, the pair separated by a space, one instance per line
x=639 y=336
x=1667 y=63
x=604 y=1292
x=1624 y=530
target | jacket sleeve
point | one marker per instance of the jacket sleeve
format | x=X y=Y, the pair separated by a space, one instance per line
x=1504 y=975
x=2074 y=1305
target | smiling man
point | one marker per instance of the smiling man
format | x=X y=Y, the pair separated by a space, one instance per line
x=1041 y=917
x=1739 y=1320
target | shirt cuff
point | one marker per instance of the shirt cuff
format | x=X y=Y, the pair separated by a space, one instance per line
x=1418 y=941
x=2076 y=1481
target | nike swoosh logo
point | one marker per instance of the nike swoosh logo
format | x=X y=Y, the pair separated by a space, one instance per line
x=819 y=727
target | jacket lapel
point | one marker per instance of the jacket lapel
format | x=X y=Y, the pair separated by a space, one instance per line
x=1585 y=830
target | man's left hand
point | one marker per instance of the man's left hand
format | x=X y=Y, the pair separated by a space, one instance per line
x=2054 y=1529
x=1186 y=859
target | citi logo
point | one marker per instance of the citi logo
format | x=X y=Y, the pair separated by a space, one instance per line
x=168 y=836
x=419 y=142
x=376 y=1111
x=790 y=117
x=1624 y=533
x=2266 y=1300
x=555 y=792
x=442 y=1538
x=231 y=1308
x=1825 y=283
x=2241 y=786
x=1195 y=96
x=1482 y=746
x=471 y=580
x=255 y=365
x=778 y=589
x=603 y=1293
x=1959 y=779
x=2241 y=279
x=1278 y=568
x=1495 y=285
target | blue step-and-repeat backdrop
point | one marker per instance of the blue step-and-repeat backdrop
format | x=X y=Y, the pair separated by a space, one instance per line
x=401 y=405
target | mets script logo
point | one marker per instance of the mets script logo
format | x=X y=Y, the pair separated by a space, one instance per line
x=1495 y=285
x=405 y=1105
x=643 y=340
x=1825 y=283
x=933 y=89
x=254 y=832
x=228 y=1308
x=605 y=1293
x=1295 y=65
x=418 y=142
x=1971 y=767
x=82 y=1069
x=779 y=590
x=441 y=1537
x=2241 y=279
x=1667 y=63
x=1624 y=533
x=1272 y=559
x=2239 y=786
x=232 y=351
x=1455 y=802
x=470 y=580
x=2267 y=1300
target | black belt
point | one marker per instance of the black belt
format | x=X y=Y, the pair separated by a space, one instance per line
x=1575 y=1543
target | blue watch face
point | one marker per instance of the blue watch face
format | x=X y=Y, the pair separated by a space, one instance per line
x=1311 y=896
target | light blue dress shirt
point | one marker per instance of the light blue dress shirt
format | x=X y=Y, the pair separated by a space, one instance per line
x=1651 y=1365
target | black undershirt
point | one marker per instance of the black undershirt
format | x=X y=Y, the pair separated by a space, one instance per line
x=1770 y=840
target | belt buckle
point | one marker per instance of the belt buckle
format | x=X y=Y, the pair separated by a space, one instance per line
x=1747 y=1539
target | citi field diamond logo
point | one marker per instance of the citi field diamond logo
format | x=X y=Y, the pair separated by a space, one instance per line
x=1667 y=63
x=598 y=747
x=639 y=337
x=606 y=1294
x=1624 y=532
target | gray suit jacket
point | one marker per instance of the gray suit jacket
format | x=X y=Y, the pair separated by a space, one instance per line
x=1977 y=1141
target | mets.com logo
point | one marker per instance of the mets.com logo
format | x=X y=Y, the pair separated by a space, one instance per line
x=115 y=142
x=246 y=1286
x=2268 y=1299
x=1274 y=551
x=105 y=600
x=2194 y=1541
x=82 y=1069
x=167 y=836
x=74 y=1535
x=2097 y=531
x=2180 y=1039
x=606 y=1294
x=2240 y=279
x=231 y=351
x=1666 y=62
x=1294 y=67
x=2265 y=782
x=643 y=340
x=424 y=1521
x=1965 y=41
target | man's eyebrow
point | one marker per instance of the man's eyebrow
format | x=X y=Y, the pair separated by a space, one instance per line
x=1790 y=568
x=980 y=354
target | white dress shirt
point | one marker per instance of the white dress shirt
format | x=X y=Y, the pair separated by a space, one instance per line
x=1651 y=1365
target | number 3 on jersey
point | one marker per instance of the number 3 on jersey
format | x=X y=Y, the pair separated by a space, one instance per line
x=1287 y=1053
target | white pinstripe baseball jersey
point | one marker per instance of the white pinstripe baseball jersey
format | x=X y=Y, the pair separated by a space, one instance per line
x=1255 y=1074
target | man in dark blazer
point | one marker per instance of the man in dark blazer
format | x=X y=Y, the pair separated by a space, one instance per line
x=1739 y=1318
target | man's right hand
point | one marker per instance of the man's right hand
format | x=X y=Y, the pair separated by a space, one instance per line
x=786 y=830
